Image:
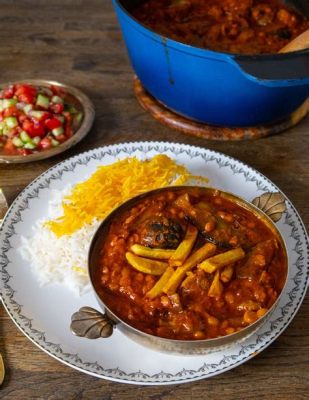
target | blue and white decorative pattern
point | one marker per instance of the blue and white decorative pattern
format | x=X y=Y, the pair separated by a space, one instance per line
x=43 y=313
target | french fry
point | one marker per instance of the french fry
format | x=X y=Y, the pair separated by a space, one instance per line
x=205 y=251
x=227 y=273
x=161 y=254
x=157 y=289
x=184 y=248
x=146 y=265
x=216 y=287
x=221 y=260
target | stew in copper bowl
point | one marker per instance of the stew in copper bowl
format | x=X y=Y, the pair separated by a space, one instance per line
x=190 y=263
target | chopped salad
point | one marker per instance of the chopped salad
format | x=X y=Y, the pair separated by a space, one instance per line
x=34 y=119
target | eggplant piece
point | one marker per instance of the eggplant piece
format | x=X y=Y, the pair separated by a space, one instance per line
x=199 y=215
x=207 y=236
x=162 y=233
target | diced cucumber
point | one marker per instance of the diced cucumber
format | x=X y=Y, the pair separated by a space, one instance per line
x=37 y=114
x=17 y=142
x=11 y=122
x=28 y=108
x=56 y=99
x=71 y=109
x=78 y=118
x=54 y=142
x=58 y=131
x=6 y=131
x=36 y=140
x=29 y=146
x=25 y=137
x=42 y=101
x=8 y=103
x=1 y=125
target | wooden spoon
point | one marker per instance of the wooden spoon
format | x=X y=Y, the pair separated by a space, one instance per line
x=301 y=42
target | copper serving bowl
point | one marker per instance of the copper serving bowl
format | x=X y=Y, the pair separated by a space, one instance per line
x=92 y=324
x=72 y=96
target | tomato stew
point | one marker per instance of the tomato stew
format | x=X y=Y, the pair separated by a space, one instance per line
x=190 y=263
x=234 y=26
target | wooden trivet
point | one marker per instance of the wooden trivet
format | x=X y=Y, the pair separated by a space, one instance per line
x=193 y=128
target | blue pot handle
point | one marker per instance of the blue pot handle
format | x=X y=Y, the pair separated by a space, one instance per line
x=291 y=69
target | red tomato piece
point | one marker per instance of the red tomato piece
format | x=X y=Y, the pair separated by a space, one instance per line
x=10 y=111
x=9 y=147
x=27 y=125
x=7 y=93
x=45 y=144
x=68 y=131
x=33 y=129
x=24 y=152
x=25 y=89
x=56 y=108
x=61 y=138
x=52 y=123
x=21 y=118
x=26 y=98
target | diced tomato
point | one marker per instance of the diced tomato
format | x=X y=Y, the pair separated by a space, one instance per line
x=26 y=93
x=26 y=98
x=33 y=129
x=61 y=138
x=7 y=93
x=56 y=108
x=68 y=131
x=25 y=89
x=52 y=123
x=45 y=144
x=21 y=118
x=24 y=152
x=9 y=147
x=57 y=91
x=10 y=111
x=27 y=124
x=37 y=130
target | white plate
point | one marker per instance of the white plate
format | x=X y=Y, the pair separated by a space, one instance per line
x=43 y=313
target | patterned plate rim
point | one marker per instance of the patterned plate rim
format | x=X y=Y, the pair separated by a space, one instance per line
x=116 y=374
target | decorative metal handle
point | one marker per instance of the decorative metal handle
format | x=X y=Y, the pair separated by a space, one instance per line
x=273 y=204
x=91 y=324
x=3 y=205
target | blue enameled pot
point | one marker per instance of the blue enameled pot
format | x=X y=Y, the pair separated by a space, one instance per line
x=212 y=87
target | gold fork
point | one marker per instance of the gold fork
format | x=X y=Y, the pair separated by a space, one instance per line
x=3 y=210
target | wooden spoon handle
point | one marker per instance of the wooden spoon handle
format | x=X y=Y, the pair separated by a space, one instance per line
x=301 y=42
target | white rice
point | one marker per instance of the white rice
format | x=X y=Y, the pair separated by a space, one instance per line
x=60 y=260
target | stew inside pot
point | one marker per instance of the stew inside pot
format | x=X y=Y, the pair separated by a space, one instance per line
x=235 y=26
x=190 y=264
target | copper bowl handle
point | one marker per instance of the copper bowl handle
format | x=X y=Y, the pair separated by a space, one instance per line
x=91 y=324
x=272 y=204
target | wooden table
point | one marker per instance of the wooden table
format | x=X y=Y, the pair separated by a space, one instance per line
x=79 y=42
